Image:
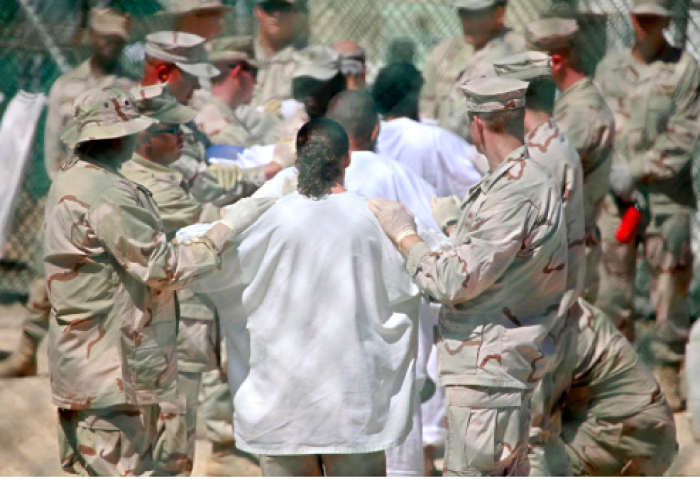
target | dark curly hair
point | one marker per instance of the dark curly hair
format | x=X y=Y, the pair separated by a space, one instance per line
x=322 y=145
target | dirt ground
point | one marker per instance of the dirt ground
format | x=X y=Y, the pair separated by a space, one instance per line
x=28 y=445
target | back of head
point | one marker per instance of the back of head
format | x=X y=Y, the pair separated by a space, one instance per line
x=317 y=78
x=355 y=111
x=396 y=90
x=322 y=147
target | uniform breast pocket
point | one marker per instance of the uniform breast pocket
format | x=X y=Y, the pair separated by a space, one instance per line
x=661 y=107
x=149 y=353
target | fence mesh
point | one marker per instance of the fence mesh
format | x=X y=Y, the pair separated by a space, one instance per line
x=388 y=29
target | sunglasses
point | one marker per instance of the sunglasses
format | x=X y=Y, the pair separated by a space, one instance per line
x=251 y=69
x=172 y=129
x=275 y=7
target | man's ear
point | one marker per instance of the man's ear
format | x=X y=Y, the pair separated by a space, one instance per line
x=557 y=63
x=375 y=133
x=346 y=160
x=236 y=71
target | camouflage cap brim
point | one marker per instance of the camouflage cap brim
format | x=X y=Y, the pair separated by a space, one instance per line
x=223 y=9
x=201 y=70
x=71 y=137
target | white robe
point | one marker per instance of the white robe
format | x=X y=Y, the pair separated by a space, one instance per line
x=440 y=157
x=327 y=306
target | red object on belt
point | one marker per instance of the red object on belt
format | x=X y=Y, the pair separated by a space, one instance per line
x=629 y=224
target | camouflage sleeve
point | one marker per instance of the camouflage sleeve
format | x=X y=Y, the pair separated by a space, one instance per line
x=457 y=275
x=133 y=235
x=428 y=94
x=261 y=127
x=673 y=149
x=52 y=132
x=177 y=209
x=203 y=184
x=592 y=138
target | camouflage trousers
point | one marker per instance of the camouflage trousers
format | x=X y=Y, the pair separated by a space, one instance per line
x=36 y=324
x=372 y=464
x=487 y=432
x=667 y=249
x=177 y=428
x=115 y=441
x=641 y=444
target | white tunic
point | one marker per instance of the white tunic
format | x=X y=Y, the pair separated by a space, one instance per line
x=440 y=157
x=331 y=343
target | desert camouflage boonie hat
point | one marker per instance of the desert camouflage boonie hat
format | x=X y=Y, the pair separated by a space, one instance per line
x=106 y=21
x=476 y=5
x=232 y=49
x=526 y=66
x=103 y=113
x=157 y=102
x=185 y=50
x=317 y=61
x=659 y=8
x=183 y=7
x=550 y=34
x=487 y=95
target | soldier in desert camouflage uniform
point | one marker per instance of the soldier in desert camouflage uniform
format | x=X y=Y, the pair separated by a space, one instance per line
x=587 y=122
x=653 y=92
x=110 y=273
x=501 y=285
x=196 y=336
x=274 y=50
x=109 y=31
x=457 y=60
x=226 y=117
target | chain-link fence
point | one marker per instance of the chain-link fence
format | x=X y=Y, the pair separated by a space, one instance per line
x=39 y=38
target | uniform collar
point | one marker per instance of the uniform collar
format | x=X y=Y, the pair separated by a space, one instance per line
x=580 y=85
x=518 y=155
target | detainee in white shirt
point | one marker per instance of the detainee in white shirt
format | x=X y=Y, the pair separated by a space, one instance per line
x=441 y=158
x=372 y=175
x=330 y=315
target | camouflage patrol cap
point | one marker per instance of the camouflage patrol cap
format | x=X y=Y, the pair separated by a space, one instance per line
x=232 y=49
x=183 y=7
x=475 y=5
x=661 y=8
x=185 y=50
x=526 y=66
x=317 y=61
x=106 y=21
x=157 y=102
x=103 y=113
x=550 y=34
x=488 y=95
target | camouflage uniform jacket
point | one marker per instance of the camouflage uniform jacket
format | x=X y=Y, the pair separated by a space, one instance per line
x=243 y=127
x=502 y=281
x=275 y=75
x=110 y=273
x=480 y=65
x=552 y=151
x=441 y=71
x=177 y=208
x=587 y=122
x=63 y=92
x=656 y=108
x=203 y=184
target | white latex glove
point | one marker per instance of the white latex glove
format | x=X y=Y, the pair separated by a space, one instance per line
x=395 y=219
x=285 y=153
x=290 y=185
x=240 y=215
x=446 y=211
x=192 y=232
x=229 y=176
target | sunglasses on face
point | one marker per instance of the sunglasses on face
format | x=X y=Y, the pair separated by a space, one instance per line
x=172 y=129
x=251 y=69
x=276 y=7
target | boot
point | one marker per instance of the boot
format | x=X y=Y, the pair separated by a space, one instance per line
x=668 y=375
x=227 y=460
x=23 y=361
